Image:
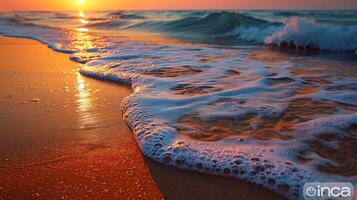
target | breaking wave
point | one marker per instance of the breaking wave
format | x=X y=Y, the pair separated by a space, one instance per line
x=270 y=119
x=295 y=32
x=301 y=33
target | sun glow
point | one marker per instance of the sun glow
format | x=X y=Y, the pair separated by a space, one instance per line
x=80 y=2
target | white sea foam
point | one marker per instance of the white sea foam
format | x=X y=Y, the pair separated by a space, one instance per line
x=211 y=83
x=304 y=32
x=154 y=109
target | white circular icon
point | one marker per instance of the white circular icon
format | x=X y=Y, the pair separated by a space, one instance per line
x=310 y=191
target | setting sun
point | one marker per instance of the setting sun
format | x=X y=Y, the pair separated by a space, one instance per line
x=51 y=5
x=80 y=2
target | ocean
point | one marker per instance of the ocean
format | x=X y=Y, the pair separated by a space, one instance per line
x=269 y=97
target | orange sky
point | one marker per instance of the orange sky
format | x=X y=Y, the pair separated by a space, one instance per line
x=8 y=5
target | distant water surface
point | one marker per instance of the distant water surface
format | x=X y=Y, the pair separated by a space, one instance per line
x=265 y=96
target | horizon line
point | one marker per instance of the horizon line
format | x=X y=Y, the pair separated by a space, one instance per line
x=199 y=9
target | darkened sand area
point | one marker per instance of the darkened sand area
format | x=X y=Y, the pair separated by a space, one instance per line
x=62 y=136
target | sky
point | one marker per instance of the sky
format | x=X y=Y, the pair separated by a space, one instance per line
x=49 y=5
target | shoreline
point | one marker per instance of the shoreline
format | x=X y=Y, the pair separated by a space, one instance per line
x=62 y=134
x=85 y=150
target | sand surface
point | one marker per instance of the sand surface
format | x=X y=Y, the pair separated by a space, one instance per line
x=62 y=136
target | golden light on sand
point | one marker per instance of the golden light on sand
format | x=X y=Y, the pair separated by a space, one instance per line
x=84 y=103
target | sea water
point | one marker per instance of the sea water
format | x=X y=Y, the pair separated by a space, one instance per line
x=269 y=97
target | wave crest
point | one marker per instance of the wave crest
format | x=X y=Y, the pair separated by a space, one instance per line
x=299 y=30
x=214 y=23
x=303 y=33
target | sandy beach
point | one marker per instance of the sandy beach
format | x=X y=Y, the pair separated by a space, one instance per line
x=62 y=136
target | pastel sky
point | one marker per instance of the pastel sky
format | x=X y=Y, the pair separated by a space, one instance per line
x=8 y=5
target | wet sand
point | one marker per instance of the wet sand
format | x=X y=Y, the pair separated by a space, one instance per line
x=62 y=136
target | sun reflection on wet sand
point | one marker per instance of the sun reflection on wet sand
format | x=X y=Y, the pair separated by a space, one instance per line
x=84 y=103
x=82 y=40
x=43 y=153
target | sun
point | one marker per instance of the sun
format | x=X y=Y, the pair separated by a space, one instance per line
x=80 y=2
